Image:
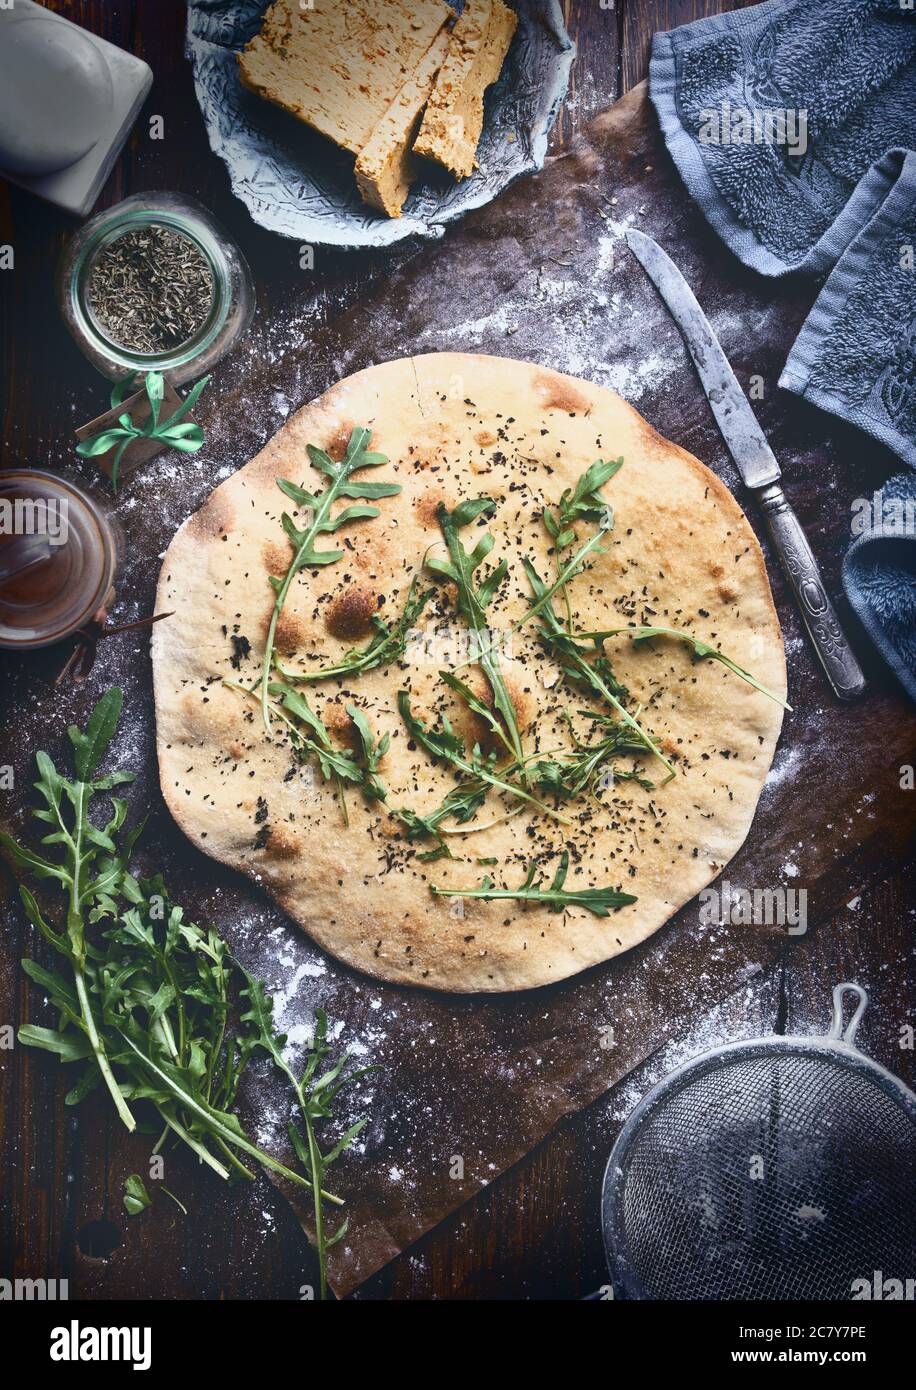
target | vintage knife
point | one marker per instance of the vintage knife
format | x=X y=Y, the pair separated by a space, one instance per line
x=757 y=465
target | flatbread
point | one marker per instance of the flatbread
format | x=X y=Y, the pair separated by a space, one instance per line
x=682 y=555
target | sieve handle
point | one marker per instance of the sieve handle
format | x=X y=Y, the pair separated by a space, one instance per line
x=836 y=1028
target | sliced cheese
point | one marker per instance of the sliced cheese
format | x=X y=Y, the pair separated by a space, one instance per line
x=385 y=167
x=453 y=121
x=340 y=64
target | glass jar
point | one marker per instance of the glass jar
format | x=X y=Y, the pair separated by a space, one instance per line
x=231 y=306
x=58 y=558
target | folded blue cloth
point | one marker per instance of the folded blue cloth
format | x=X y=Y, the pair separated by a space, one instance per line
x=879 y=575
x=793 y=124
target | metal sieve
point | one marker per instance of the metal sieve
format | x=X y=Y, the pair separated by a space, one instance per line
x=775 y=1168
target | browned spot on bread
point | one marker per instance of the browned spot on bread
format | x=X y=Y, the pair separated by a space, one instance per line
x=427 y=506
x=337 y=446
x=372 y=552
x=522 y=700
x=339 y=723
x=336 y=719
x=556 y=393
x=283 y=842
x=276 y=557
x=237 y=750
x=290 y=633
x=349 y=614
x=215 y=518
x=472 y=726
x=727 y=593
x=485 y=438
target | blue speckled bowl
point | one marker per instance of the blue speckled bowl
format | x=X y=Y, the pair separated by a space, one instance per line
x=295 y=183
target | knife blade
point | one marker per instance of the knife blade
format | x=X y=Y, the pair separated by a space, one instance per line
x=757 y=465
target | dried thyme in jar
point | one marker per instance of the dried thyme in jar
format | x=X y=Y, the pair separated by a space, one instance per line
x=150 y=289
x=154 y=284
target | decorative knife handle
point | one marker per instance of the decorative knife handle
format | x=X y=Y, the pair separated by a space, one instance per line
x=801 y=568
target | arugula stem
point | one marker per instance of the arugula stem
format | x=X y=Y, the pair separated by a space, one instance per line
x=642 y=734
x=701 y=649
x=481 y=774
x=566 y=573
x=316 y=1164
x=474 y=829
x=341 y=484
x=219 y=1130
x=599 y=901
x=540 y=895
x=203 y=1153
x=99 y=1052
x=272 y=636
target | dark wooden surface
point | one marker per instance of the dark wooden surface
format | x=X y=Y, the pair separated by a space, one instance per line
x=534 y=1232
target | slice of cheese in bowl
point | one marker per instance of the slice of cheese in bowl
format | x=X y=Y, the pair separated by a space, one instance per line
x=453 y=120
x=385 y=167
x=339 y=64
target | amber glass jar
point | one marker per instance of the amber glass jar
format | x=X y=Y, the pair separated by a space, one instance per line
x=58 y=558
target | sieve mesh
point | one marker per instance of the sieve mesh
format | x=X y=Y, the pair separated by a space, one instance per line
x=766 y=1173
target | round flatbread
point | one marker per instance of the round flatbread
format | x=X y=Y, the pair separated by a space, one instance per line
x=681 y=555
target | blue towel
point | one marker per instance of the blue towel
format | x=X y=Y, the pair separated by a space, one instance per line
x=793 y=124
x=879 y=575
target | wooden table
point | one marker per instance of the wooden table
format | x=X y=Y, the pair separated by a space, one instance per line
x=534 y=1232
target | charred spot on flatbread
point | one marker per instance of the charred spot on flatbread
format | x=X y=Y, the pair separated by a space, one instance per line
x=282 y=841
x=215 y=518
x=473 y=726
x=560 y=393
x=337 y=444
x=276 y=556
x=349 y=614
x=427 y=505
x=290 y=634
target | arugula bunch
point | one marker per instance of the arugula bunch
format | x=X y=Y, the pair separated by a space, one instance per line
x=147 y=1005
x=474 y=600
x=586 y=668
x=89 y=870
x=315 y=1091
x=343 y=483
x=388 y=643
x=584 y=502
x=568 y=775
x=446 y=743
x=556 y=896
